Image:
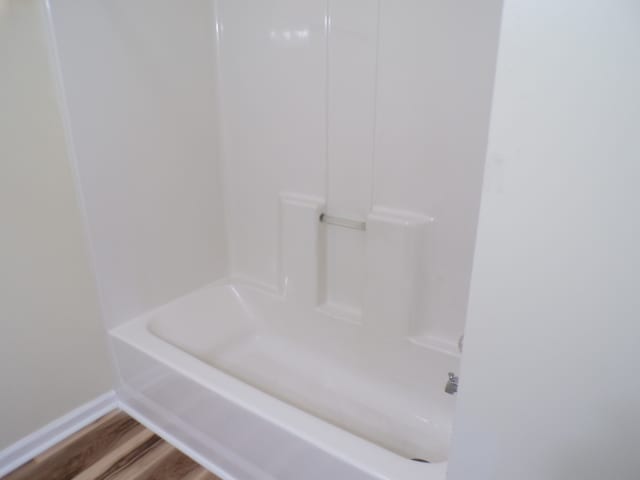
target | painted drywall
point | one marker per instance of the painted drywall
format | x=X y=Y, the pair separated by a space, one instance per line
x=53 y=354
x=139 y=80
x=549 y=389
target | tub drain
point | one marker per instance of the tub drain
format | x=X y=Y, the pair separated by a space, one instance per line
x=421 y=460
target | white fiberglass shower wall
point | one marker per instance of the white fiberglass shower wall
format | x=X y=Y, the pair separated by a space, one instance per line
x=368 y=107
x=211 y=138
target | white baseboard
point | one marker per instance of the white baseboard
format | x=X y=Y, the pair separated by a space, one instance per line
x=37 y=442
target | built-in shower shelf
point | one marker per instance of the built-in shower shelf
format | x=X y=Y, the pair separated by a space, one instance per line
x=439 y=344
x=374 y=273
x=341 y=312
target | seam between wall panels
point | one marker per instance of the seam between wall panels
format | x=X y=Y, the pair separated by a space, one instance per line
x=220 y=144
x=374 y=131
x=327 y=31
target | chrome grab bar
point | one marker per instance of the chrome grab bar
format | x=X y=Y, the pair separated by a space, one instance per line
x=342 y=222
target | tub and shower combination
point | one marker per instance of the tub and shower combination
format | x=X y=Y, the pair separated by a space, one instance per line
x=281 y=199
x=318 y=364
x=247 y=369
x=317 y=386
x=359 y=388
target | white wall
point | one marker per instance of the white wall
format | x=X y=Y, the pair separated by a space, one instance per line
x=139 y=79
x=53 y=354
x=549 y=386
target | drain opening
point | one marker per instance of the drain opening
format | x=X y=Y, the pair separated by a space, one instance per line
x=421 y=460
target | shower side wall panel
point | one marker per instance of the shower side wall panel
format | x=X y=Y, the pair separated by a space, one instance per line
x=139 y=80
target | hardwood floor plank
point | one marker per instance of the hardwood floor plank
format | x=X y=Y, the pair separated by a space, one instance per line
x=114 y=447
x=120 y=457
x=80 y=451
x=201 y=474
x=174 y=466
x=144 y=464
x=114 y=416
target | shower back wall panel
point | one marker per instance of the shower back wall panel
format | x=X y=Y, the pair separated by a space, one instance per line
x=351 y=79
x=435 y=77
x=364 y=104
x=272 y=62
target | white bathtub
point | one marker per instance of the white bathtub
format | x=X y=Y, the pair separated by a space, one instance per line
x=261 y=388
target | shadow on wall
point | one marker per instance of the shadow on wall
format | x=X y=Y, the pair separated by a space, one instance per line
x=606 y=449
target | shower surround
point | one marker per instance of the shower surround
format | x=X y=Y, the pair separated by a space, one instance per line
x=281 y=199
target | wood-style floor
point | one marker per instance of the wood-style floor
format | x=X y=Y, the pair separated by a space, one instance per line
x=115 y=447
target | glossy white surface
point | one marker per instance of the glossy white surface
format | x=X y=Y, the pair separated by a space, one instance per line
x=272 y=97
x=352 y=41
x=211 y=136
x=352 y=378
x=205 y=410
x=548 y=387
x=351 y=61
x=139 y=80
x=272 y=349
x=366 y=105
x=435 y=76
x=360 y=372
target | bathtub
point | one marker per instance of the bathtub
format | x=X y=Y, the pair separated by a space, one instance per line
x=259 y=387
